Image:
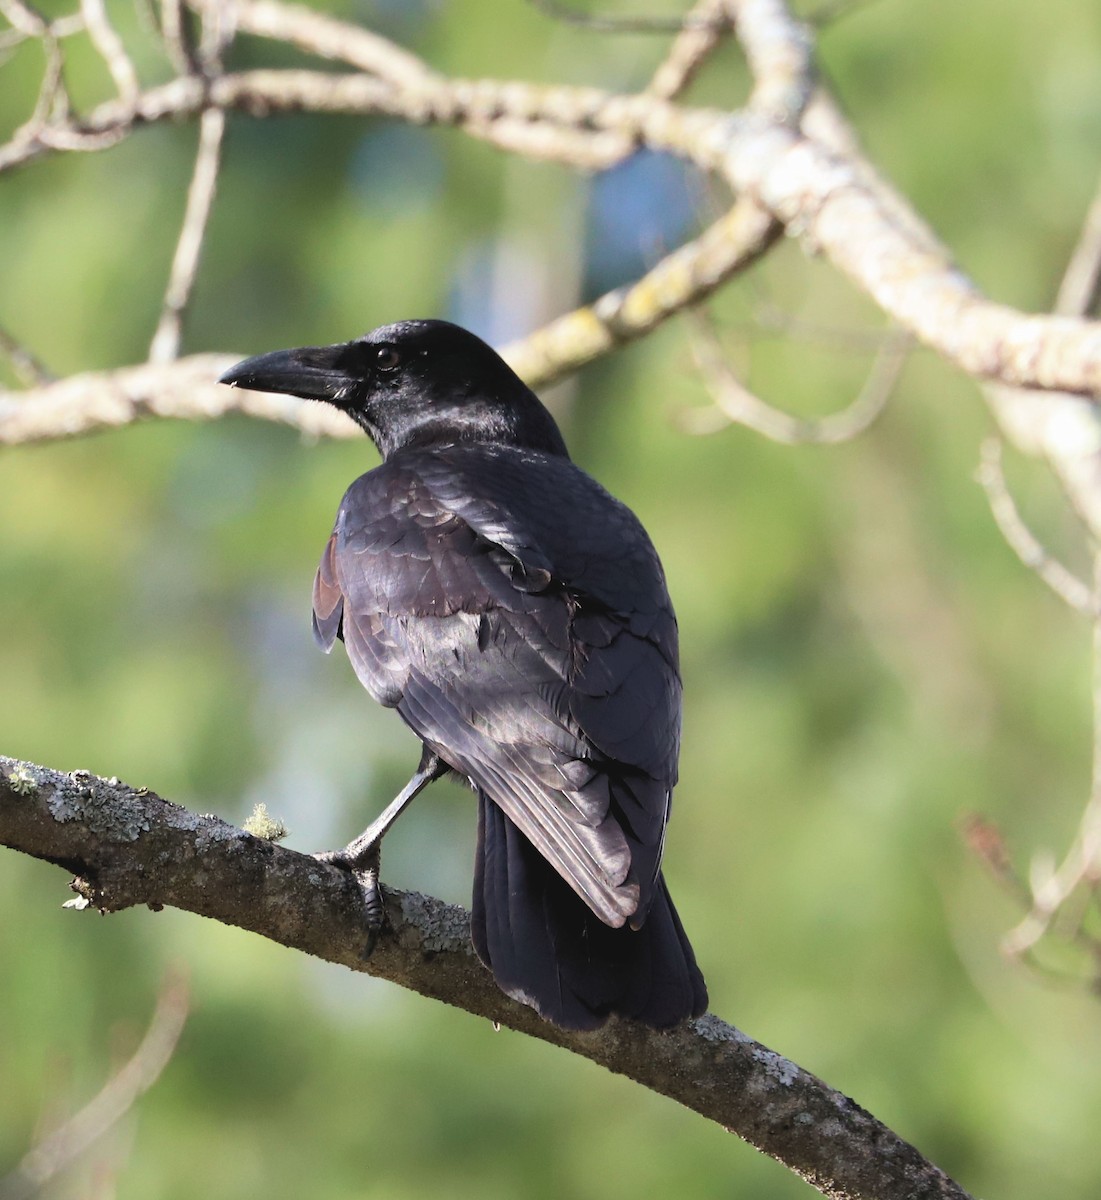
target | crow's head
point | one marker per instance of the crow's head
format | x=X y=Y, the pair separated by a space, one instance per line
x=414 y=383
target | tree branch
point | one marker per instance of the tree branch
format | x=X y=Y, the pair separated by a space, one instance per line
x=813 y=191
x=1072 y=590
x=819 y=187
x=185 y=389
x=734 y=403
x=109 y=45
x=130 y=847
x=185 y=263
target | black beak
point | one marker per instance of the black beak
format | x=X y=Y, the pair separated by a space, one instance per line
x=312 y=372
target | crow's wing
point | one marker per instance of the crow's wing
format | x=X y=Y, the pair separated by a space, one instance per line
x=516 y=616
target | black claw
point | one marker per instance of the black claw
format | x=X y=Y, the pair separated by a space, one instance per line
x=374 y=908
x=364 y=869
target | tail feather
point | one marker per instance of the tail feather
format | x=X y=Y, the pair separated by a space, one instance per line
x=547 y=949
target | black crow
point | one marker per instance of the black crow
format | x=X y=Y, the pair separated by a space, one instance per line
x=516 y=616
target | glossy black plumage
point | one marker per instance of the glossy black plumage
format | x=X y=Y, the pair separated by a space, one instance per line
x=516 y=616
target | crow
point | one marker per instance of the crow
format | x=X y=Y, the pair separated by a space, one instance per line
x=516 y=616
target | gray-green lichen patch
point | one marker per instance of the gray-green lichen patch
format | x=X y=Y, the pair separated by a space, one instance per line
x=109 y=809
x=21 y=781
x=441 y=926
x=777 y=1068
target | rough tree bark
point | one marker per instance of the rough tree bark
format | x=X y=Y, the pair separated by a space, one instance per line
x=129 y=847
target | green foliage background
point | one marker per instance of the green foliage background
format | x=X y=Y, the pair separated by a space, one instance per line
x=864 y=659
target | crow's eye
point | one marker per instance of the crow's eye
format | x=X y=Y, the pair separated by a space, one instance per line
x=387 y=358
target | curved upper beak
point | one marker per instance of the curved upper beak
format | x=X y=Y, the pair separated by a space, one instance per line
x=311 y=372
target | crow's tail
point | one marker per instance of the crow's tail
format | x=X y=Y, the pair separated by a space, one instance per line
x=547 y=949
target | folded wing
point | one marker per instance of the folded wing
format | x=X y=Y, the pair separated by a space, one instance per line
x=538 y=659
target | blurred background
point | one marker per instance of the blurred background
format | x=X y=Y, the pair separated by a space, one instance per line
x=865 y=660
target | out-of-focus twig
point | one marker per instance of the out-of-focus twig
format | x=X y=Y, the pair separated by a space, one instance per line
x=179 y=44
x=219 y=28
x=1070 y=438
x=21 y=30
x=1053 y=888
x=107 y=41
x=987 y=842
x=53 y=99
x=185 y=264
x=1082 y=278
x=705 y=28
x=736 y=404
x=1024 y=543
x=325 y=36
x=26 y=366
x=598 y=23
x=66 y=1144
x=780 y=53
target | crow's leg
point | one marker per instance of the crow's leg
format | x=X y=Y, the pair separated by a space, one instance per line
x=363 y=855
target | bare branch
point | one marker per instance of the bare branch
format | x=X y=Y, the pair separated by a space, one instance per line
x=24 y=19
x=682 y=278
x=111 y=836
x=185 y=264
x=71 y=137
x=111 y=49
x=800 y=181
x=1066 y=430
x=1062 y=581
x=53 y=99
x=1042 y=417
x=1053 y=887
x=596 y=23
x=738 y=405
x=821 y=185
x=184 y=389
x=66 y=1144
x=178 y=42
x=320 y=34
x=26 y=366
x=705 y=29
x=219 y=28
x=1082 y=278
x=779 y=51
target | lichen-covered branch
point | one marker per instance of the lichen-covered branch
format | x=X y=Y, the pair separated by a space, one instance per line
x=185 y=388
x=129 y=847
x=822 y=190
